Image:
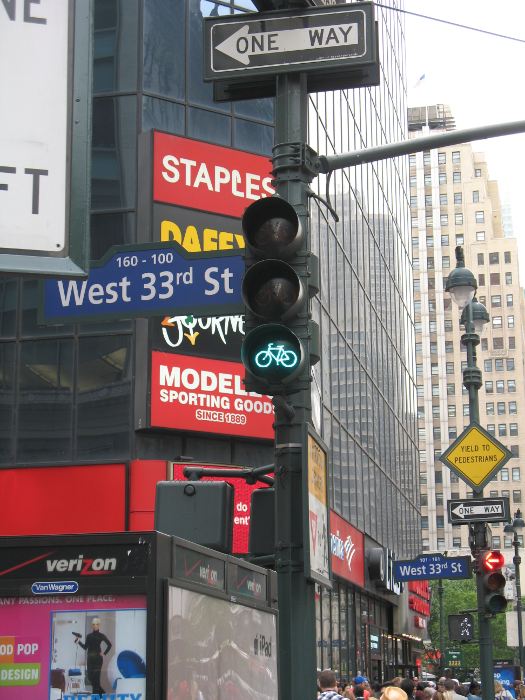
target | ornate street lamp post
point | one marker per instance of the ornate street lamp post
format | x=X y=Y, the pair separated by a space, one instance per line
x=517 y=525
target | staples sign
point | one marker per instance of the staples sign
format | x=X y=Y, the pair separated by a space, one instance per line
x=204 y=395
x=202 y=176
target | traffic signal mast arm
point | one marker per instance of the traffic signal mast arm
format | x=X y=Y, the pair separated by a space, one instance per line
x=327 y=164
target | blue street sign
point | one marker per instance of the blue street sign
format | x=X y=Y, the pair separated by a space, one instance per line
x=432 y=566
x=148 y=280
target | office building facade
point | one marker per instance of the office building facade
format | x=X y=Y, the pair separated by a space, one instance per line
x=455 y=203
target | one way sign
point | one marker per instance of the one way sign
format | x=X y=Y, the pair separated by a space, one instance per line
x=488 y=510
x=322 y=41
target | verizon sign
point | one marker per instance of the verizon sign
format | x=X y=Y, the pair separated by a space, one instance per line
x=200 y=394
x=37 y=124
x=202 y=176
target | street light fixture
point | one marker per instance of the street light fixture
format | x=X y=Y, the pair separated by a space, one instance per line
x=514 y=527
x=462 y=285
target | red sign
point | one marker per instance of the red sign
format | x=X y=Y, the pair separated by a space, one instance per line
x=202 y=176
x=347 y=546
x=242 y=493
x=194 y=393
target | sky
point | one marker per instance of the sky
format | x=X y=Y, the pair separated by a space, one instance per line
x=480 y=76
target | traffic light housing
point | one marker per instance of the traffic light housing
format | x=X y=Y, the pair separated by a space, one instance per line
x=280 y=278
x=493 y=581
x=461 y=628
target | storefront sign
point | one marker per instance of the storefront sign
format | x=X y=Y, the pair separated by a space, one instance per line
x=201 y=176
x=381 y=569
x=205 y=336
x=347 y=547
x=192 y=393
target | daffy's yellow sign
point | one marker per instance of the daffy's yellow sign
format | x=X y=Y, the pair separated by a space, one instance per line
x=476 y=456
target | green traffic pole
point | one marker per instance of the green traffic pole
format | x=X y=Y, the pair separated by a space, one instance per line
x=297 y=639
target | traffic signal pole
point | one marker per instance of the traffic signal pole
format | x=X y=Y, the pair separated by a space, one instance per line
x=297 y=657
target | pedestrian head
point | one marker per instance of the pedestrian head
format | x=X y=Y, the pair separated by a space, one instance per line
x=393 y=692
x=327 y=680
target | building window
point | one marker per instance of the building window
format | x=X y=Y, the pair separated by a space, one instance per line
x=496 y=542
x=466 y=411
x=445 y=262
x=480 y=217
x=430 y=263
x=438 y=476
x=508 y=278
x=454 y=479
x=440 y=522
x=424 y=522
x=487 y=365
x=456 y=156
x=498 y=365
x=412 y=159
x=491 y=428
x=484 y=344
x=513 y=429
x=501 y=408
x=458 y=198
x=516 y=474
x=456 y=176
x=475 y=196
x=481 y=258
x=426 y=158
x=413 y=181
x=510 y=321
x=493 y=258
x=427 y=179
x=500 y=386
x=511 y=385
x=515 y=449
x=507 y=542
x=497 y=321
x=451 y=410
x=507 y=256
x=497 y=343
x=434 y=368
x=442 y=178
x=444 y=239
x=460 y=239
x=451 y=389
x=510 y=299
x=428 y=200
x=448 y=324
x=504 y=474
x=449 y=346
x=415 y=263
x=489 y=408
x=489 y=387
x=512 y=342
x=481 y=280
x=443 y=219
x=435 y=389
x=513 y=408
x=495 y=300
x=443 y=199
x=449 y=368
x=414 y=222
x=502 y=430
x=442 y=157
x=477 y=172
x=458 y=219
x=516 y=495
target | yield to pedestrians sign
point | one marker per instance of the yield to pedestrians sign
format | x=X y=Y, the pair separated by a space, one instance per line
x=476 y=456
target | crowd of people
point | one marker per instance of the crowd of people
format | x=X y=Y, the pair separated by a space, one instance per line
x=329 y=687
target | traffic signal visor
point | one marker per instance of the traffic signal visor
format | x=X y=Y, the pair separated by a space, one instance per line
x=272 y=228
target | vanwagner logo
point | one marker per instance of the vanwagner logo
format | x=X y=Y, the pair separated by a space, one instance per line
x=45 y=587
x=84 y=565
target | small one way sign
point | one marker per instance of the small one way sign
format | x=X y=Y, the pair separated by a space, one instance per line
x=475 y=456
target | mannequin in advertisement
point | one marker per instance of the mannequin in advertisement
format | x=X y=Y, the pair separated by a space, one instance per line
x=95 y=656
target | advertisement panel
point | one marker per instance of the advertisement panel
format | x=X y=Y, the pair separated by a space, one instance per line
x=198 y=394
x=201 y=175
x=219 y=650
x=242 y=493
x=73 y=647
x=347 y=547
x=317 y=511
